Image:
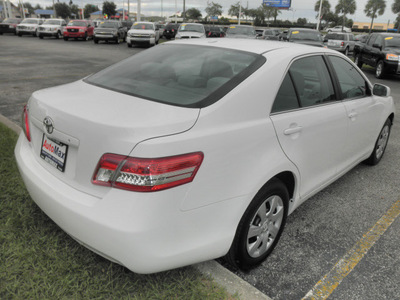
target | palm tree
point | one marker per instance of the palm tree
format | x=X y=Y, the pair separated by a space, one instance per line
x=345 y=7
x=373 y=9
x=396 y=10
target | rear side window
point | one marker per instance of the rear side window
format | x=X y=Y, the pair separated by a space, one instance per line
x=352 y=83
x=306 y=84
x=181 y=75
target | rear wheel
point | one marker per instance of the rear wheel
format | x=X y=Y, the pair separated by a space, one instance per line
x=129 y=45
x=58 y=35
x=379 y=71
x=65 y=38
x=40 y=36
x=260 y=227
x=380 y=145
x=346 y=51
x=96 y=41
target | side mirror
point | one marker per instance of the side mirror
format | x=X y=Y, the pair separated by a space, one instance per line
x=377 y=46
x=381 y=90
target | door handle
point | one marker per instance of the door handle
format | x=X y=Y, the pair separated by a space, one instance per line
x=292 y=130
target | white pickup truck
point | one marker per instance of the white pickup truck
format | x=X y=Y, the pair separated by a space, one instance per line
x=143 y=33
x=52 y=27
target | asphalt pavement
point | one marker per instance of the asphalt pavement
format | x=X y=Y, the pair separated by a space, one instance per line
x=320 y=237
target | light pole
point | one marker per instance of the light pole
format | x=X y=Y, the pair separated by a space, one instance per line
x=319 y=14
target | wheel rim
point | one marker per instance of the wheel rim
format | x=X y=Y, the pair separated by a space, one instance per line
x=265 y=226
x=382 y=141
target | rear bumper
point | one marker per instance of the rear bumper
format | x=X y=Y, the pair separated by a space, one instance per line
x=146 y=232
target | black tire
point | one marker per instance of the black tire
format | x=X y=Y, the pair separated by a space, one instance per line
x=129 y=45
x=380 y=70
x=117 y=40
x=35 y=33
x=358 y=61
x=247 y=252
x=96 y=41
x=346 y=51
x=65 y=38
x=86 y=38
x=40 y=36
x=58 y=35
x=380 y=144
x=1 y=33
x=19 y=34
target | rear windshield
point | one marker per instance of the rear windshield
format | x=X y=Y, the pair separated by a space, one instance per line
x=241 y=30
x=12 y=21
x=306 y=35
x=335 y=36
x=181 y=75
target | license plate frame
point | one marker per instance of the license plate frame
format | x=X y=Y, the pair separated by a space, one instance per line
x=54 y=152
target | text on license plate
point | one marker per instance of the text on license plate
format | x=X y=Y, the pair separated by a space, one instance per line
x=54 y=152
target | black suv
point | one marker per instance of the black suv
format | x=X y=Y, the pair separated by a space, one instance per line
x=170 y=30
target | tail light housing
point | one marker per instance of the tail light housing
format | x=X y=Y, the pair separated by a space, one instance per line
x=342 y=44
x=146 y=174
x=25 y=123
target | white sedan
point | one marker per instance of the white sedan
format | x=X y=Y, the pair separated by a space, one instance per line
x=338 y=29
x=197 y=149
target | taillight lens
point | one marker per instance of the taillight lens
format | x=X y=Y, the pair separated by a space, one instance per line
x=342 y=44
x=25 y=123
x=146 y=174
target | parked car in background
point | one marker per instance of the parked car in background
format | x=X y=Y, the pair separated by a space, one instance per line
x=127 y=25
x=153 y=164
x=213 y=31
x=29 y=26
x=9 y=25
x=283 y=35
x=241 y=32
x=109 y=31
x=190 y=31
x=271 y=34
x=52 y=27
x=340 y=41
x=143 y=33
x=160 y=28
x=170 y=30
x=338 y=29
x=305 y=36
x=78 y=29
x=381 y=51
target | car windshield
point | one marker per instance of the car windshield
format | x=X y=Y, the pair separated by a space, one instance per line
x=11 y=21
x=77 y=23
x=30 y=21
x=335 y=36
x=306 y=35
x=143 y=26
x=392 y=41
x=191 y=27
x=181 y=75
x=108 y=25
x=52 y=22
x=241 y=30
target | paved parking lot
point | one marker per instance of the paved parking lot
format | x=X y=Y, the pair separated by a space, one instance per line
x=317 y=236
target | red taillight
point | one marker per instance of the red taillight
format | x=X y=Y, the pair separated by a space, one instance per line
x=342 y=44
x=25 y=123
x=146 y=174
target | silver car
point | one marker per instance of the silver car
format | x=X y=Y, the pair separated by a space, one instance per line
x=342 y=42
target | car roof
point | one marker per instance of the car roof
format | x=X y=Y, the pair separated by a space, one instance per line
x=254 y=46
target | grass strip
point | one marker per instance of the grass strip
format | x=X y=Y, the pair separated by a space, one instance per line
x=39 y=261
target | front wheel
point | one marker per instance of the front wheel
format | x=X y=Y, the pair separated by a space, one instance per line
x=58 y=35
x=96 y=41
x=65 y=38
x=379 y=71
x=40 y=36
x=380 y=145
x=260 y=227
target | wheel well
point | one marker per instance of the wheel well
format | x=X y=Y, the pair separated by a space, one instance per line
x=391 y=117
x=288 y=179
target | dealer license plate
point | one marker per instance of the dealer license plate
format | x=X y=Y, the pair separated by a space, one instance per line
x=54 y=152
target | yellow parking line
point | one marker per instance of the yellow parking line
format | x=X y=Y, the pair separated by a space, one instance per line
x=347 y=263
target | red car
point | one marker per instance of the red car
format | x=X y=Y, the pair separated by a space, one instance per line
x=9 y=25
x=82 y=29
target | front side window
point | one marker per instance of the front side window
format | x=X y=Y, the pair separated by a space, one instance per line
x=352 y=84
x=306 y=84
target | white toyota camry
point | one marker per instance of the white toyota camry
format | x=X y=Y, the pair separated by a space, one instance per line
x=199 y=149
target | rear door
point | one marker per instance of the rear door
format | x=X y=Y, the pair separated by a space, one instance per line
x=310 y=124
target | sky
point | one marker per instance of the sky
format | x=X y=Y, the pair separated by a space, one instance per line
x=299 y=8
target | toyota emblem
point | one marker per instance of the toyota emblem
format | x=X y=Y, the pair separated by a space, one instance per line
x=48 y=124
